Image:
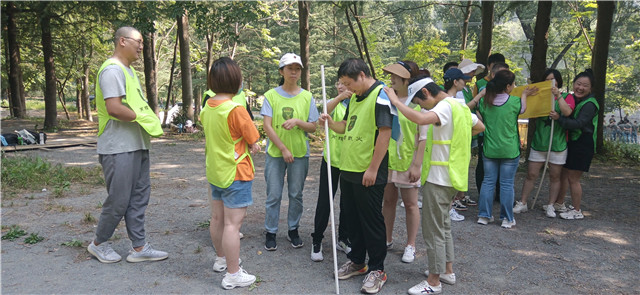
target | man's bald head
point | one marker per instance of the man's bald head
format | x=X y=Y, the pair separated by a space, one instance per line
x=124 y=32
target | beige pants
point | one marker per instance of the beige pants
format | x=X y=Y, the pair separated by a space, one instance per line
x=436 y=225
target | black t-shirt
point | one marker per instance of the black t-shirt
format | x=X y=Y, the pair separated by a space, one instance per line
x=384 y=118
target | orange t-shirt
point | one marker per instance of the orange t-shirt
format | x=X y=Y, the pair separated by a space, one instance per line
x=240 y=125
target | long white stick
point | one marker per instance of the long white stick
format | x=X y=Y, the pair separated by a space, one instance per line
x=328 y=153
x=546 y=162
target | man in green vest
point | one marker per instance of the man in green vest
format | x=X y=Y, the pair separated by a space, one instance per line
x=363 y=171
x=125 y=125
x=445 y=171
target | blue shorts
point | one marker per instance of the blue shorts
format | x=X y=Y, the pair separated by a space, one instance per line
x=237 y=195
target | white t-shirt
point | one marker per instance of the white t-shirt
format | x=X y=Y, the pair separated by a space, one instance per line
x=440 y=174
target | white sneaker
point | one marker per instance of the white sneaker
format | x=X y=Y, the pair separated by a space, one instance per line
x=104 y=252
x=389 y=245
x=424 y=288
x=550 y=212
x=146 y=254
x=316 y=252
x=573 y=214
x=239 y=279
x=409 y=254
x=484 y=220
x=241 y=235
x=520 y=207
x=342 y=246
x=508 y=224
x=455 y=216
x=557 y=207
x=220 y=264
x=447 y=278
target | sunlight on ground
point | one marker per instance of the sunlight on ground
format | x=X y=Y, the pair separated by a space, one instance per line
x=80 y=163
x=552 y=232
x=532 y=253
x=165 y=166
x=607 y=236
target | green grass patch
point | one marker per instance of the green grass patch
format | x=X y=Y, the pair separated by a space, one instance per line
x=33 y=238
x=33 y=173
x=73 y=243
x=14 y=233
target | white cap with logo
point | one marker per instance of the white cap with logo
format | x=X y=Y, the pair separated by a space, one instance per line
x=416 y=86
x=290 y=58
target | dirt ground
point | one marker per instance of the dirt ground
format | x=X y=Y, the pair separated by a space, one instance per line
x=539 y=255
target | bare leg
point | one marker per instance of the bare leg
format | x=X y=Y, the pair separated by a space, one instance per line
x=564 y=186
x=389 y=203
x=231 y=238
x=449 y=267
x=216 y=226
x=576 y=188
x=410 y=199
x=555 y=174
x=532 y=175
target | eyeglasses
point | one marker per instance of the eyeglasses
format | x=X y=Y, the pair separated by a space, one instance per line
x=137 y=40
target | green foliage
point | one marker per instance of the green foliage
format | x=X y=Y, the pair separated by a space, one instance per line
x=14 y=232
x=204 y=224
x=33 y=238
x=623 y=153
x=73 y=243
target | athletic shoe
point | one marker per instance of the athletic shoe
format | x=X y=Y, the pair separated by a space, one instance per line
x=455 y=216
x=409 y=254
x=374 y=282
x=146 y=254
x=104 y=252
x=241 y=235
x=484 y=220
x=468 y=201
x=419 y=204
x=458 y=206
x=447 y=278
x=508 y=224
x=294 y=238
x=220 y=264
x=550 y=212
x=351 y=269
x=343 y=246
x=557 y=207
x=270 y=243
x=573 y=214
x=389 y=245
x=239 y=279
x=425 y=288
x=316 y=252
x=520 y=207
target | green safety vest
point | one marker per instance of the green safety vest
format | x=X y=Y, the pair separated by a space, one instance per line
x=540 y=140
x=284 y=109
x=221 y=159
x=134 y=99
x=481 y=84
x=401 y=154
x=360 y=132
x=501 y=137
x=574 y=134
x=239 y=98
x=336 y=139
x=459 y=147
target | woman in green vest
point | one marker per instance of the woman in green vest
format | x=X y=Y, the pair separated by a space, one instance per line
x=540 y=146
x=583 y=127
x=405 y=163
x=229 y=135
x=501 y=150
x=289 y=114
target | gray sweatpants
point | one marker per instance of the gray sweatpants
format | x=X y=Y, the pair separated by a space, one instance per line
x=128 y=188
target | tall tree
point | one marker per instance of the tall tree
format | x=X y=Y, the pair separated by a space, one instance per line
x=50 y=92
x=15 y=72
x=303 y=15
x=185 y=65
x=606 y=10
x=465 y=29
x=484 y=44
x=540 y=45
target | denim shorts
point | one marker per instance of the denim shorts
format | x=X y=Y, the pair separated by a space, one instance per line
x=237 y=195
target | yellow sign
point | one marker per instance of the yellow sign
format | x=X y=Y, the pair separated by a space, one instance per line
x=539 y=105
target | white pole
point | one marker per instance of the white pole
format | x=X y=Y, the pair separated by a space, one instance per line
x=328 y=153
x=544 y=168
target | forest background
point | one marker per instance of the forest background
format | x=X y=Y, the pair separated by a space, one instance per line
x=52 y=50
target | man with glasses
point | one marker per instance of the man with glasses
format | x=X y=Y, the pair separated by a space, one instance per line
x=125 y=125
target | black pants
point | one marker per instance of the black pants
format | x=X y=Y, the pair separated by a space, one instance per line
x=480 y=171
x=363 y=213
x=323 y=211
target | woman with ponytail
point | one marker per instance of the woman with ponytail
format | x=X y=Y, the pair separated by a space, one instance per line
x=583 y=127
x=501 y=150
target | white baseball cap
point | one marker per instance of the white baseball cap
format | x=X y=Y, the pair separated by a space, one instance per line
x=416 y=86
x=290 y=58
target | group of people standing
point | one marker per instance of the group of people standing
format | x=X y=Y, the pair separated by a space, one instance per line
x=385 y=142
x=623 y=131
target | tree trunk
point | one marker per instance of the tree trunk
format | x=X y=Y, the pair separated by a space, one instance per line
x=79 y=98
x=86 y=102
x=564 y=51
x=18 y=109
x=525 y=23
x=303 y=15
x=50 y=93
x=465 y=29
x=606 y=10
x=364 y=40
x=353 y=32
x=185 y=65
x=150 y=70
x=540 y=46
x=173 y=67
x=484 y=45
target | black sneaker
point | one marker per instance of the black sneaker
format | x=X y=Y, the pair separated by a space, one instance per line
x=294 y=238
x=270 y=244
